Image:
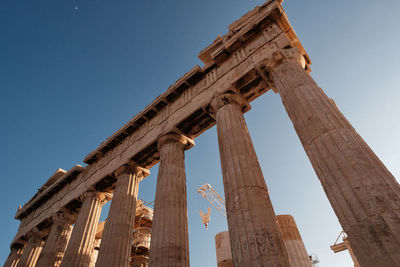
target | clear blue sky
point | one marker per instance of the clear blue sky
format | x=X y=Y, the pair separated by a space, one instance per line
x=71 y=77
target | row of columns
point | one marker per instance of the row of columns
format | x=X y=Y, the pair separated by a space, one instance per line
x=67 y=245
x=363 y=193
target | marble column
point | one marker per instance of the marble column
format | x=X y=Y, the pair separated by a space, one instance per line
x=293 y=242
x=32 y=249
x=15 y=255
x=81 y=243
x=56 y=243
x=169 y=241
x=253 y=230
x=363 y=193
x=116 y=242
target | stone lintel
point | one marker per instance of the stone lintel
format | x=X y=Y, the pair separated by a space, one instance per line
x=218 y=52
x=57 y=174
x=188 y=79
x=55 y=186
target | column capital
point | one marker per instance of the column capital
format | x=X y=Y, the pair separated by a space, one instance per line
x=37 y=234
x=175 y=137
x=64 y=214
x=92 y=194
x=285 y=55
x=131 y=168
x=229 y=97
x=17 y=245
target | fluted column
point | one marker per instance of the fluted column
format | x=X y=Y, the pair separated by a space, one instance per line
x=15 y=255
x=253 y=230
x=56 y=243
x=32 y=249
x=116 y=242
x=363 y=193
x=81 y=244
x=293 y=242
x=169 y=241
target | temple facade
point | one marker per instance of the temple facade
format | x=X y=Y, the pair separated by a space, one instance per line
x=261 y=52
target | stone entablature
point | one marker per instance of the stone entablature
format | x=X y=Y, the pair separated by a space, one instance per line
x=240 y=32
x=56 y=183
x=55 y=177
x=183 y=108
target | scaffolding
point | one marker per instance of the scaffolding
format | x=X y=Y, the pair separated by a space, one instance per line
x=142 y=234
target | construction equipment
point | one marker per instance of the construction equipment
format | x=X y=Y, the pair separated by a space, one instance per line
x=142 y=234
x=207 y=192
x=205 y=217
x=338 y=247
x=222 y=242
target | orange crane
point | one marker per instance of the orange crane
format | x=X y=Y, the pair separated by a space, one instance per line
x=338 y=247
x=208 y=193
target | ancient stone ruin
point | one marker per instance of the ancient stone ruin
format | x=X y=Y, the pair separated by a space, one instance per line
x=260 y=52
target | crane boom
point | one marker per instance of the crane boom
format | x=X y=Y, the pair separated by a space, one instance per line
x=208 y=193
